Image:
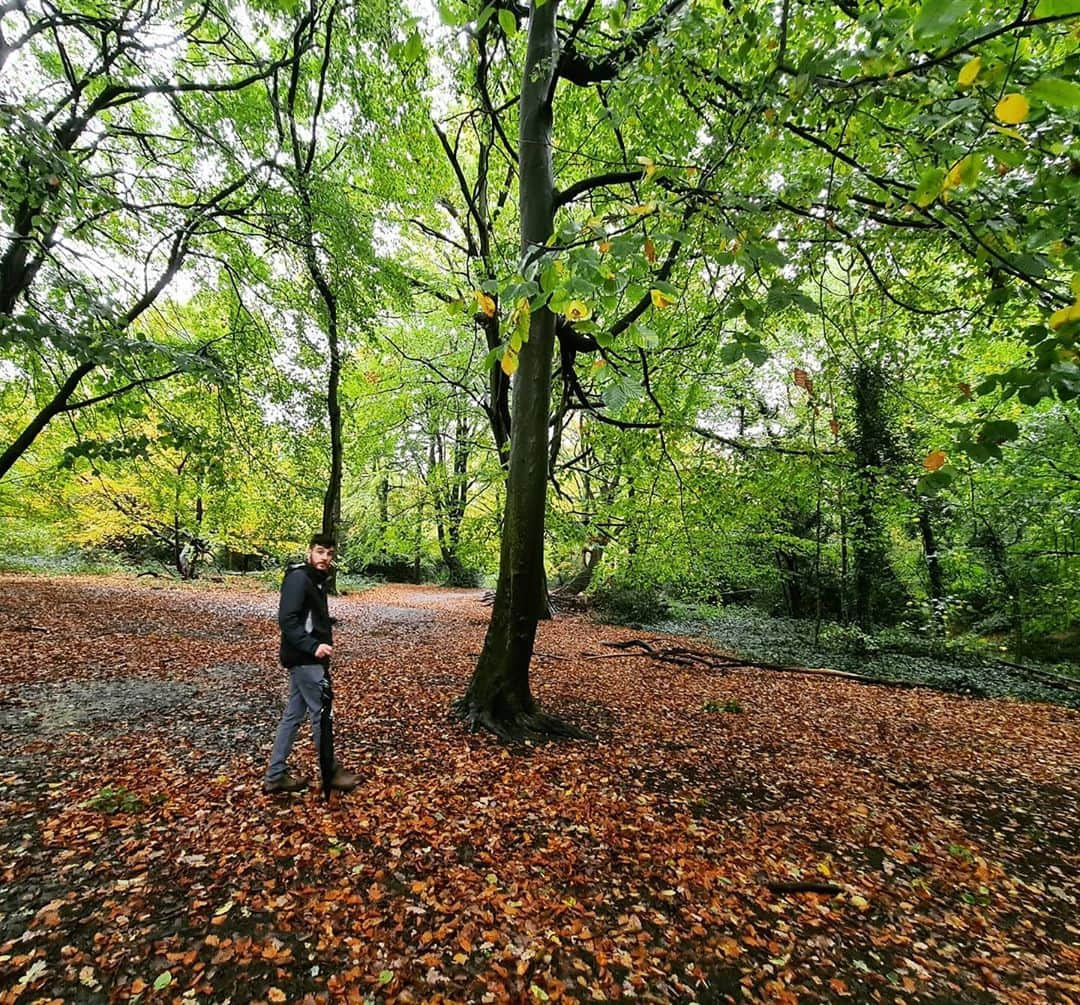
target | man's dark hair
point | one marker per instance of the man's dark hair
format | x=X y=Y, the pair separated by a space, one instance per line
x=322 y=540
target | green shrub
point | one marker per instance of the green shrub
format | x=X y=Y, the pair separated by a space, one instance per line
x=116 y=799
x=630 y=605
x=732 y=705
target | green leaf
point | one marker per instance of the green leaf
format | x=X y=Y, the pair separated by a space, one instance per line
x=1056 y=92
x=933 y=482
x=1056 y=8
x=386 y=976
x=492 y=358
x=938 y=16
x=756 y=353
x=549 y=278
x=1034 y=393
x=414 y=46
x=163 y=980
x=998 y=431
x=644 y=337
x=450 y=17
x=929 y=186
x=508 y=22
x=731 y=353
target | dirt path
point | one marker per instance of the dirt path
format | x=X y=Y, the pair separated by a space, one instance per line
x=136 y=849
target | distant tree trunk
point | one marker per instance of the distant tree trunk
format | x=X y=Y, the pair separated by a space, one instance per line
x=499 y=697
x=997 y=551
x=418 y=541
x=788 y=565
x=384 y=505
x=450 y=495
x=933 y=565
x=591 y=554
x=183 y=551
x=498 y=405
x=844 y=570
x=870 y=445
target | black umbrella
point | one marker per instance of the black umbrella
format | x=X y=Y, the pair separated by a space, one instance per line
x=326 y=737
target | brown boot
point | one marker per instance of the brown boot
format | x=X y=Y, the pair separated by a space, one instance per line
x=286 y=783
x=344 y=781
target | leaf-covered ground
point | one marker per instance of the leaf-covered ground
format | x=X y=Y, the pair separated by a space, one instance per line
x=666 y=861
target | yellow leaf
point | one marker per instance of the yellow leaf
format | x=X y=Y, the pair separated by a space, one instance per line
x=643 y=209
x=594 y=221
x=576 y=310
x=660 y=299
x=647 y=163
x=509 y=362
x=860 y=902
x=1012 y=109
x=969 y=71
x=605 y=247
x=824 y=868
x=598 y=365
x=485 y=303
x=934 y=460
x=276 y=995
x=1061 y=318
x=964 y=172
x=519 y=322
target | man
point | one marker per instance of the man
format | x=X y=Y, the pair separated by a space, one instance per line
x=307 y=644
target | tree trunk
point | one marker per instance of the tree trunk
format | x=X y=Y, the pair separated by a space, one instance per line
x=499 y=697
x=933 y=566
x=870 y=447
x=788 y=565
x=450 y=497
x=331 y=519
x=591 y=554
x=384 y=507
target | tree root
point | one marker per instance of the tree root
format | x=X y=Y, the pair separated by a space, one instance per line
x=535 y=725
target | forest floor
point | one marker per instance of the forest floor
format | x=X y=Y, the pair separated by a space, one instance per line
x=728 y=835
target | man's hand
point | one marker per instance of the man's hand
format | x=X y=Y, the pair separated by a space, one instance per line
x=323 y=651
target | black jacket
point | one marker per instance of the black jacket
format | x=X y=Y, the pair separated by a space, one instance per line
x=303 y=616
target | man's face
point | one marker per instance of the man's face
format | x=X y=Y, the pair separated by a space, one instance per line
x=320 y=557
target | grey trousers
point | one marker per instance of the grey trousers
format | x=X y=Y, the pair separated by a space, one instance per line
x=305 y=702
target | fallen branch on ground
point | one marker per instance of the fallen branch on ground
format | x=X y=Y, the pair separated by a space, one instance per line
x=719 y=661
x=778 y=886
